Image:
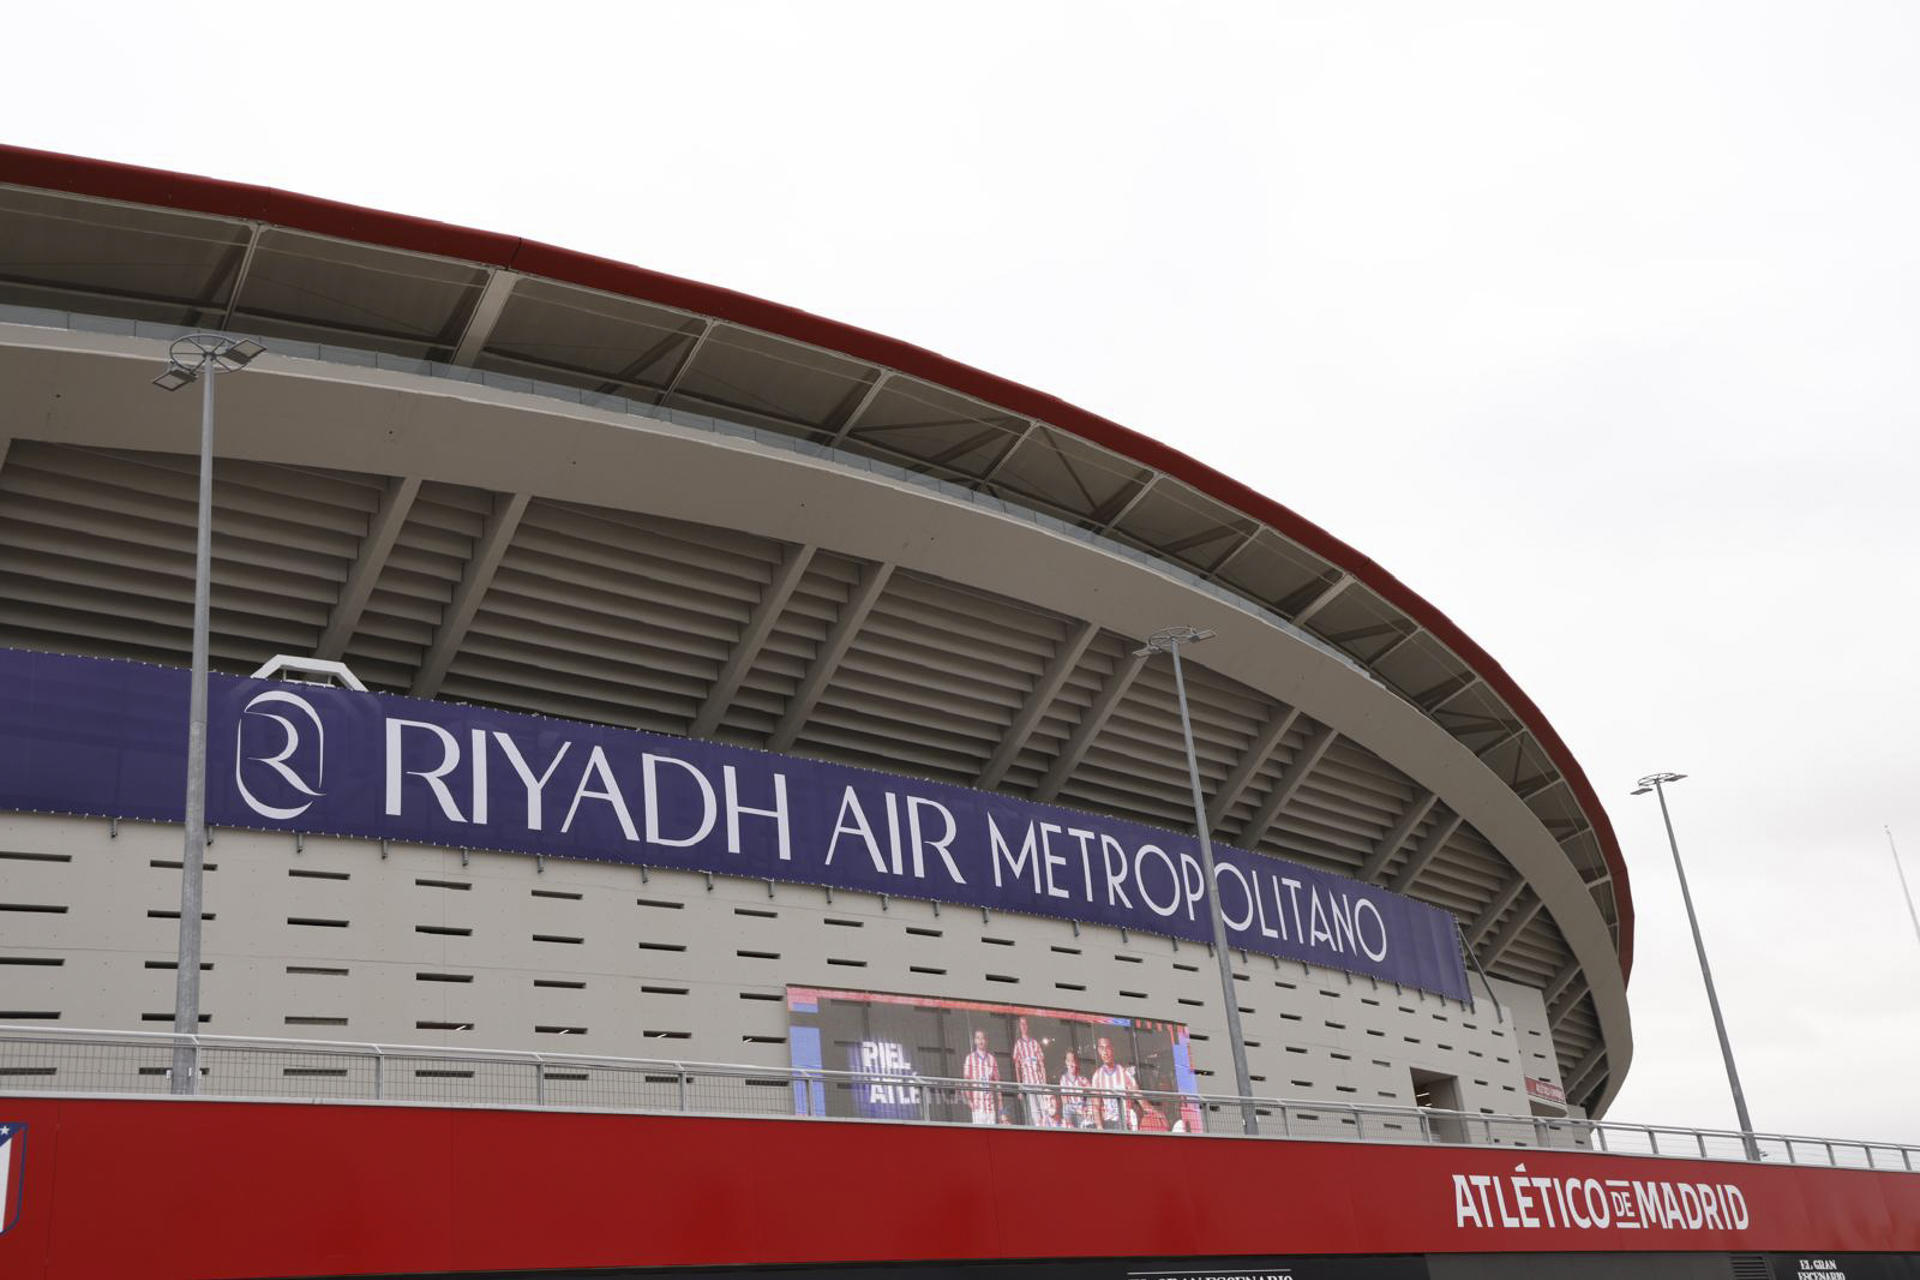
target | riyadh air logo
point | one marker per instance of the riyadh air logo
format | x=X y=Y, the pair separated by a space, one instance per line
x=296 y=749
x=13 y=1163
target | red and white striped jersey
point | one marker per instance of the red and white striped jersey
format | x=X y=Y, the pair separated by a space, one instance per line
x=1029 y=1061
x=985 y=1068
x=1113 y=1082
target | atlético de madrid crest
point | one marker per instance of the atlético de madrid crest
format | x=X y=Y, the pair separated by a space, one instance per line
x=13 y=1159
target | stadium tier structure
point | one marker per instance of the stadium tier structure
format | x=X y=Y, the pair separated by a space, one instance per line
x=756 y=562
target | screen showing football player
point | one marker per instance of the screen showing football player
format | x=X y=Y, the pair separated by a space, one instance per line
x=1115 y=1090
x=982 y=1068
x=1030 y=1072
x=1076 y=1105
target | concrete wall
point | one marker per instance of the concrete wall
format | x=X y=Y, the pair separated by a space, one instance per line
x=334 y=941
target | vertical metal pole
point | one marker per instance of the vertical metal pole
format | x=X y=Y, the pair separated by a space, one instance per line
x=1243 y=1080
x=1901 y=872
x=1706 y=973
x=186 y=988
x=1499 y=1014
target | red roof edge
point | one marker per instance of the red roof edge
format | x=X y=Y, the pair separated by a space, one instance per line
x=133 y=184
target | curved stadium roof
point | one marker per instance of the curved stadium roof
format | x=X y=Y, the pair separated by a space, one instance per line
x=111 y=240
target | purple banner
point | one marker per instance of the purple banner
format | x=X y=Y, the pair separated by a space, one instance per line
x=90 y=736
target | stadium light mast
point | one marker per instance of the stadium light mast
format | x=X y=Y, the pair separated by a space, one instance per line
x=1901 y=871
x=1169 y=640
x=198 y=357
x=1656 y=783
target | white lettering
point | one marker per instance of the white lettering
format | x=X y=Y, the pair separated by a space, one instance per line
x=609 y=790
x=1049 y=859
x=1463 y=1206
x=449 y=760
x=850 y=804
x=709 y=810
x=952 y=829
x=1084 y=839
x=1293 y=896
x=1221 y=869
x=1113 y=858
x=1359 y=934
x=535 y=784
x=1140 y=879
x=1029 y=854
x=1318 y=917
x=1191 y=880
x=478 y=755
x=1523 y=1202
x=730 y=783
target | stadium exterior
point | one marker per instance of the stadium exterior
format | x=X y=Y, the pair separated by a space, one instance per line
x=507 y=478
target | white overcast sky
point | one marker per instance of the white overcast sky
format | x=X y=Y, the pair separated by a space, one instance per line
x=1596 y=324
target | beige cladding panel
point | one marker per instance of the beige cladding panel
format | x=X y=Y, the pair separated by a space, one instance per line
x=332 y=940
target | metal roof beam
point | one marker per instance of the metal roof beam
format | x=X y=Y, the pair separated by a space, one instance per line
x=686 y=361
x=1091 y=723
x=1598 y=1087
x=856 y=411
x=1390 y=843
x=240 y=275
x=1006 y=454
x=1407 y=633
x=1568 y=1004
x=1538 y=786
x=485 y=314
x=1065 y=659
x=1429 y=847
x=753 y=637
x=1251 y=761
x=1145 y=482
x=1446 y=691
x=1509 y=892
x=383 y=530
x=1516 y=731
x=962 y=448
x=1220 y=565
x=1583 y=1069
x=1200 y=539
x=1568 y=972
x=1519 y=920
x=1331 y=592
x=873 y=581
x=474 y=581
x=1290 y=781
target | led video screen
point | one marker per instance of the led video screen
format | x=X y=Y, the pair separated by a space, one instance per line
x=1013 y=1064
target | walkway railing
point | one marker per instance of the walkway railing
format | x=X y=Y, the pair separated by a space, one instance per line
x=73 y=1061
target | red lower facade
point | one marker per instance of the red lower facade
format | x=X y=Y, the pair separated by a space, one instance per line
x=165 y=1187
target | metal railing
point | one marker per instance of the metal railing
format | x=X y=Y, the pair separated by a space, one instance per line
x=74 y=1061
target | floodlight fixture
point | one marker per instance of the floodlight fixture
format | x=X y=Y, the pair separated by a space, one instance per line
x=1169 y=639
x=176 y=377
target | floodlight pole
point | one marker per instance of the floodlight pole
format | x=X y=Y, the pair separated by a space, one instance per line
x=200 y=357
x=1901 y=872
x=1656 y=783
x=1169 y=641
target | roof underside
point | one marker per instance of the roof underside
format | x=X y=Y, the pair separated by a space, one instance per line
x=614 y=617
